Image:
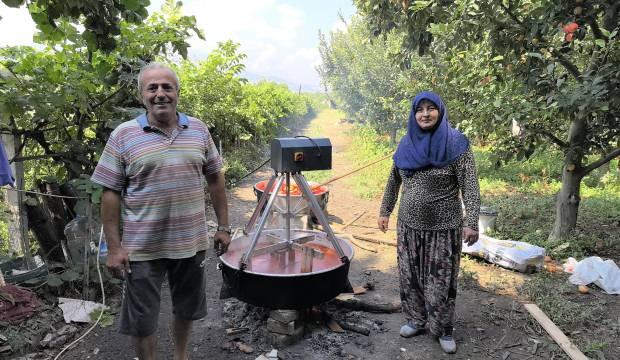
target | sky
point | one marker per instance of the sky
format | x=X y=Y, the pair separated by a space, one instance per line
x=279 y=37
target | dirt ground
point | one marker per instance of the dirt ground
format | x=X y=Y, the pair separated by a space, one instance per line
x=491 y=322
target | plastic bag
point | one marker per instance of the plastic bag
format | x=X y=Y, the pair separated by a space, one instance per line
x=604 y=274
x=515 y=255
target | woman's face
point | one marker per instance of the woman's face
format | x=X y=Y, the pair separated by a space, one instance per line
x=427 y=115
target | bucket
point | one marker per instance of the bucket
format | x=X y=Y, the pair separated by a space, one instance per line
x=486 y=219
x=298 y=203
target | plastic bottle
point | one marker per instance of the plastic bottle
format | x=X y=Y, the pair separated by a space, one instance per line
x=78 y=240
x=103 y=249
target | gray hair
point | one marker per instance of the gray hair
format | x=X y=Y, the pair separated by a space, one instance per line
x=156 y=65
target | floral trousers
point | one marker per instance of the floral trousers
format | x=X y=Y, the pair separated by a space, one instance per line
x=428 y=264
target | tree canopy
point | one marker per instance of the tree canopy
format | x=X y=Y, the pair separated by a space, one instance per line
x=100 y=18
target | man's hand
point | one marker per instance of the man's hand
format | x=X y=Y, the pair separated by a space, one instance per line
x=221 y=240
x=118 y=263
x=470 y=236
x=383 y=222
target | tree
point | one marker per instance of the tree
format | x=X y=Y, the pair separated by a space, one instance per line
x=564 y=54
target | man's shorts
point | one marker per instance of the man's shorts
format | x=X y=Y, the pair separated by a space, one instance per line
x=141 y=301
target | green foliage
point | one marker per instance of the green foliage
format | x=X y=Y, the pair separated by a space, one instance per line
x=56 y=20
x=62 y=99
x=107 y=318
x=238 y=113
x=361 y=74
x=524 y=195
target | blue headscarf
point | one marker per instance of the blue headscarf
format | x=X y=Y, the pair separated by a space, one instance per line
x=437 y=147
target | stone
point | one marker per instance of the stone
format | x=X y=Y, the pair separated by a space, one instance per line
x=284 y=316
x=281 y=340
x=280 y=327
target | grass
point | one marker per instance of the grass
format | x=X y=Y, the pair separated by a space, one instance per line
x=366 y=147
x=584 y=318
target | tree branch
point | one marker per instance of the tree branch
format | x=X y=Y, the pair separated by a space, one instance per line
x=512 y=16
x=34 y=157
x=107 y=98
x=550 y=136
x=610 y=156
x=596 y=30
x=570 y=67
x=610 y=18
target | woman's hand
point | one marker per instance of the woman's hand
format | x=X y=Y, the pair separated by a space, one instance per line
x=383 y=222
x=470 y=236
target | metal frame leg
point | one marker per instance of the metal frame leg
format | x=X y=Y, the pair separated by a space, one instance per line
x=262 y=221
x=320 y=215
x=261 y=202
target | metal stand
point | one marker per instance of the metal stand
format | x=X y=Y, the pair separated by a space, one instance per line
x=288 y=244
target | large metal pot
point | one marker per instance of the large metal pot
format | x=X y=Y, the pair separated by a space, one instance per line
x=265 y=284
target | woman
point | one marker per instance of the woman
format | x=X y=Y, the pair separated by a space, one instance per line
x=433 y=162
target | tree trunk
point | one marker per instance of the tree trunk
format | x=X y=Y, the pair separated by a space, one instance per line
x=55 y=207
x=568 y=199
x=393 y=136
x=567 y=205
x=44 y=231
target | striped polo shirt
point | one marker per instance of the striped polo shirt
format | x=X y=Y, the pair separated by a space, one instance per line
x=162 y=181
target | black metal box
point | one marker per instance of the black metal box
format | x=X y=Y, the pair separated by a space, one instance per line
x=301 y=154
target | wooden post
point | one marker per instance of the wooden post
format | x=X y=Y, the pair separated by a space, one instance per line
x=18 y=220
x=556 y=334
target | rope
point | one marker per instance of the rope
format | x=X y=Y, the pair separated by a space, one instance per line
x=235 y=183
x=44 y=194
x=353 y=171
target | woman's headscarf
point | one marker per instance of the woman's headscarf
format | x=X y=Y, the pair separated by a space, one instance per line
x=437 y=147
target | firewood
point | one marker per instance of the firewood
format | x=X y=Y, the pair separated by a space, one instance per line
x=350 y=301
x=354 y=327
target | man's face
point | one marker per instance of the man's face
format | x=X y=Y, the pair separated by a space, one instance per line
x=159 y=92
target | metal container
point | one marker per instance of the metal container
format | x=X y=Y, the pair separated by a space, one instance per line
x=299 y=205
x=273 y=283
x=486 y=219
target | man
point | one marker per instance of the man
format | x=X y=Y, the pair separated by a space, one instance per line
x=153 y=168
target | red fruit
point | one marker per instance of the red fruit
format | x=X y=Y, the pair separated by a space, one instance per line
x=571 y=28
x=569 y=37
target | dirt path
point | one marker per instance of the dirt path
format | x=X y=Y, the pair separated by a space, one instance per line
x=488 y=325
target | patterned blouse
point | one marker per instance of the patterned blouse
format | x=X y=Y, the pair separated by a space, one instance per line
x=430 y=197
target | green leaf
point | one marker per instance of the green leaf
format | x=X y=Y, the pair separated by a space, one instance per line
x=54 y=280
x=600 y=43
x=14 y=3
x=69 y=276
x=497 y=58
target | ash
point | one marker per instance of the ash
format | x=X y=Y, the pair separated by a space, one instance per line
x=237 y=314
x=328 y=343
